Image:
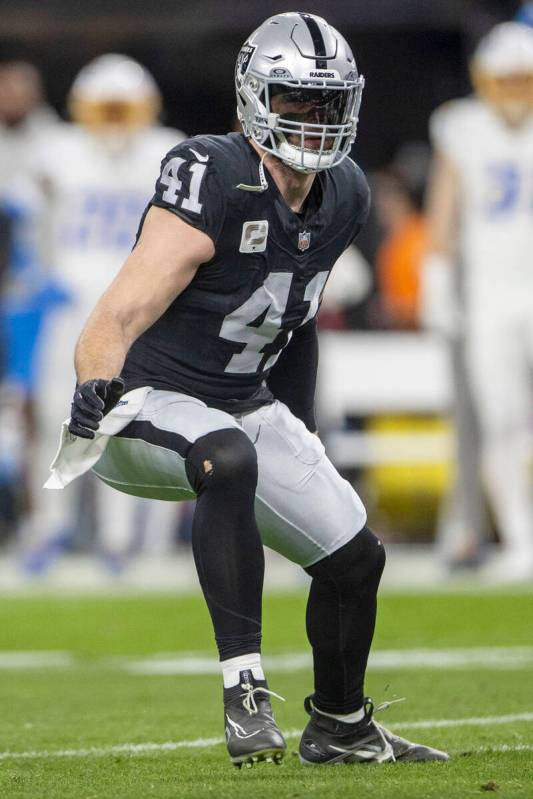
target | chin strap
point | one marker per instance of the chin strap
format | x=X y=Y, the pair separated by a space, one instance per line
x=262 y=179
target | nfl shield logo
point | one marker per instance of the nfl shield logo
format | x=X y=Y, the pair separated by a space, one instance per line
x=304 y=240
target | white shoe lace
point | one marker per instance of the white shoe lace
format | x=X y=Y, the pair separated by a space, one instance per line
x=385 y=705
x=382 y=730
x=248 y=702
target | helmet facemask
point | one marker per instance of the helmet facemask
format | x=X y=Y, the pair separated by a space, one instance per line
x=510 y=95
x=114 y=114
x=310 y=126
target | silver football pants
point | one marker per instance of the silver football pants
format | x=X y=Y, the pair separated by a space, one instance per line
x=305 y=510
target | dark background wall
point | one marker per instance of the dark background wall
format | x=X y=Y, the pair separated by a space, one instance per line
x=413 y=53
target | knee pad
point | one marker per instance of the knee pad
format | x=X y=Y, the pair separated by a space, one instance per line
x=358 y=564
x=222 y=458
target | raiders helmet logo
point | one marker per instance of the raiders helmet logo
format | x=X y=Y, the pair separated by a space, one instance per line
x=244 y=58
x=304 y=240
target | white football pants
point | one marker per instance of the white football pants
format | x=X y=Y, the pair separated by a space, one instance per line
x=500 y=363
x=304 y=509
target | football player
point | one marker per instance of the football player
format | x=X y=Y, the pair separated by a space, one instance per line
x=29 y=295
x=480 y=218
x=97 y=175
x=211 y=326
x=24 y=115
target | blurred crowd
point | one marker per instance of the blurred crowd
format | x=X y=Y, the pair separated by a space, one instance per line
x=71 y=196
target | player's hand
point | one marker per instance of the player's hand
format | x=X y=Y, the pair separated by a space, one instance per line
x=92 y=400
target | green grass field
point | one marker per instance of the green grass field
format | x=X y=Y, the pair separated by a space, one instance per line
x=79 y=722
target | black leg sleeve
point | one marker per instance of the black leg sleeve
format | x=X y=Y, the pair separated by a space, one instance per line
x=222 y=468
x=341 y=615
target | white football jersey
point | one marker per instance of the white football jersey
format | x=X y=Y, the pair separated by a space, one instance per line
x=96 y=195
x=18 y=143
x=495 y=164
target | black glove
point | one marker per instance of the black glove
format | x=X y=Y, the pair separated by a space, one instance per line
x=92 y=400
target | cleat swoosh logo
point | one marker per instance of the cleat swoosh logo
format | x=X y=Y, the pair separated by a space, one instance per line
x=368 y=751
x=203 y=158
x=239 y=731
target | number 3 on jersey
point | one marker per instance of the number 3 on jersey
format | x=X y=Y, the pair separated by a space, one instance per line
x=257 y=322
x=169 y=177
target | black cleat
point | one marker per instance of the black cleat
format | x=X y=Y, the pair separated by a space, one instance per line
x=252 y=735
x=327 y=741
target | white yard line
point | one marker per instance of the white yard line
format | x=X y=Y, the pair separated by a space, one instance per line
x=513 y=657
x=182 y=663
x=475 y=721
x=204 y=743
x=36 y=660
x=100 y=751
x=504 y=748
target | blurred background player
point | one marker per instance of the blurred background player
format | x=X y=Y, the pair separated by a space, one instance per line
x=462 y=521
x=481 y=219
x=24 y=116
x=96 y=175
x=27 y=291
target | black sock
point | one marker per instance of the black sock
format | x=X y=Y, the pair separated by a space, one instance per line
x=341 y=615
x=222 y=468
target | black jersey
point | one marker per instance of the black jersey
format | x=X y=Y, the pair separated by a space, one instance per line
x=219 y=339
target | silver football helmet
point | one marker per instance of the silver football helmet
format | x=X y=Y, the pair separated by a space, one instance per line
x=298 y=91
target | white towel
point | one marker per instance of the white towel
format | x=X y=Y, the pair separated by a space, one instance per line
x=75 y=455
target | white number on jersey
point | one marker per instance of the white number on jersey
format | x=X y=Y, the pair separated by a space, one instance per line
x=505 y=188
x=169 y=178
x=313 y=293
x=257 y=321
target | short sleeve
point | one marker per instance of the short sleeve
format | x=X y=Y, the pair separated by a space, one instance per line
x=361 y=200
x=190 y=187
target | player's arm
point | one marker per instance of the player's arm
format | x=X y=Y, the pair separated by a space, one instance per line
x=292 y=379
x=161 y=266
x=442 y=206
x=438 y=309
